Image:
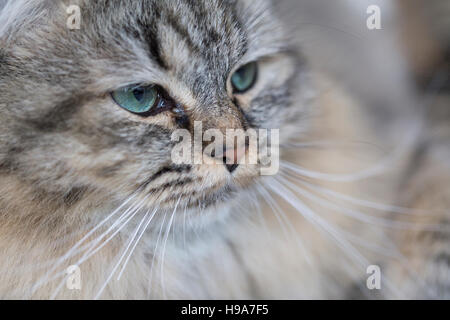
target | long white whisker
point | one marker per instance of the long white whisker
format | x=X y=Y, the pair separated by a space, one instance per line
x=254 y=201
x=329 y=144
x=136 y=242
x=164 y=246
x=352 y=177
x=396 y=254
x=365 y=203
x=92 y=250
x=69 y=253
x=347 y=247
x=121 y=257
x=266 y=196
x=283 y=221
x=154 y=255
x=184 y=226
x=360 y=216
x=128 y=215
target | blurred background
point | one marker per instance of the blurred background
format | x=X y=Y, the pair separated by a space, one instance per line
x=398 y=75
x=398 y=71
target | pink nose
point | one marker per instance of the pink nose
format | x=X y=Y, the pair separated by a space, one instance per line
x=233 y=156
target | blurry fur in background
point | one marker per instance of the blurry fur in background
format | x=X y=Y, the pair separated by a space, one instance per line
x=364 y=176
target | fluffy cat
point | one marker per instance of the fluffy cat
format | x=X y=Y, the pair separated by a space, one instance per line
x=85 y=182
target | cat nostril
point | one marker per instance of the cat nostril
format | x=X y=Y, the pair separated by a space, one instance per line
x=231 y=157
x=231 y=167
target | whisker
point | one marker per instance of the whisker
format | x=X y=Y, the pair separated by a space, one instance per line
x=379 y=168
x=284 y=221
x=184 y=226
x=154 y=255
x=136 y=242
x=391 y=251
x=91 y=251
x=70 y=252
x=316 y=220
x=352 y=177
x=366 y=203
x=164 y=246
x=127 y=216
x=362 y=217
x=254 y=201
x=121 y=257
x=327 y=144
x=266 y=196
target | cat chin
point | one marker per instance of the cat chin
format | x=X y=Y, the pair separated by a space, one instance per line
x=215 y=207
x=215 y=199
x=219 y=212
x=218 y=195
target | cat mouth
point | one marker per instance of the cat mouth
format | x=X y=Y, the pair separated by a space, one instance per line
x=221 y=193
x=196 y=190
x=212 y=196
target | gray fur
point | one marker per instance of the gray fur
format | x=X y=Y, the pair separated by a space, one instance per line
x=69 y=155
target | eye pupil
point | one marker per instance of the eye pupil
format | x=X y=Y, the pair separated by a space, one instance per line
x=138 y=93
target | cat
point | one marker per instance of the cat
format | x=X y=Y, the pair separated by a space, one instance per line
x=92 y=205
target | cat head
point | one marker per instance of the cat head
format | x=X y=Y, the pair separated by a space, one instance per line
x=96 y=107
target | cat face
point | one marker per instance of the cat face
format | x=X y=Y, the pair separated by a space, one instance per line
x=95 y=108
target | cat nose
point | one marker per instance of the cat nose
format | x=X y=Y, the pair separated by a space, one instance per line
x=232 y=156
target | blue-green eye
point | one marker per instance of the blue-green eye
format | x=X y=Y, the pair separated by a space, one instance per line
x=245 y=77
x=137 y=99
